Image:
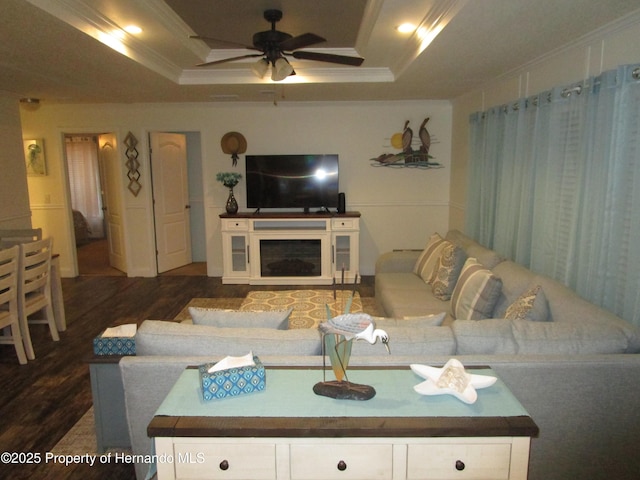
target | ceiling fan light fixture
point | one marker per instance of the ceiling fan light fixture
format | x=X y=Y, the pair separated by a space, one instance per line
x=133 y=29
x=260 y=67
x=281 y=69
x=406 y=28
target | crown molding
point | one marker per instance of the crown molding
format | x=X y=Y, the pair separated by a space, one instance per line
x=91 y=22
x=433 y=22
x=585 y=41
x=176 y=26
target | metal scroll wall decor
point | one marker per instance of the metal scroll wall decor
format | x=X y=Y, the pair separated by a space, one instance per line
x=132 y=164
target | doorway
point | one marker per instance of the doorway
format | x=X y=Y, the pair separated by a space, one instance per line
x=88 y=204
x=177 y=185
x=91 y=256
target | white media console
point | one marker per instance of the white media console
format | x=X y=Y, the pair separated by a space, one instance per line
x=290 y=249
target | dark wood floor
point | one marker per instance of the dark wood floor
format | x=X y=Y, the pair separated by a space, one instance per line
x=41 y=401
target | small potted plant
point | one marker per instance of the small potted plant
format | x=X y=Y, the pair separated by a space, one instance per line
x=230 y=180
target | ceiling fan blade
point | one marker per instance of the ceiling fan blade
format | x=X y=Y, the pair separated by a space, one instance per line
x=218 y=40
x=218 y=62
x=301 y=41
x=328 y=57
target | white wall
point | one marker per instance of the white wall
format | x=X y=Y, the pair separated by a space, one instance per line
x=400 y=207
x=14 y=200
x=613 y=45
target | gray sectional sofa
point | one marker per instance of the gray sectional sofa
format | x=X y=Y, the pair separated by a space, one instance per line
x=577 y=374
x=573 y=325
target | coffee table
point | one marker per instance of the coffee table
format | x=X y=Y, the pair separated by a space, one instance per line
x=289 y=432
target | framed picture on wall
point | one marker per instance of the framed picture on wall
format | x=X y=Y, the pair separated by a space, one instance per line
x=34 y=157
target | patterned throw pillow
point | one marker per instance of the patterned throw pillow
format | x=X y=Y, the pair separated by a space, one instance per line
x=447 y=270
x=476 y=292
x=531 y=305
x=427 y=260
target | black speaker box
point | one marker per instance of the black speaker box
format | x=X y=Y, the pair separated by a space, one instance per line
x=341 y=203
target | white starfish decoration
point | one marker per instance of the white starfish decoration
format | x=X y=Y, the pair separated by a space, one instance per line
x=452 y=379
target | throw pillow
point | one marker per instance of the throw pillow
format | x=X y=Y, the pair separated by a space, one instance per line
x=427 y=260
x=531 y=305
x=447 y=270
x=476 y=292
x=215 y=317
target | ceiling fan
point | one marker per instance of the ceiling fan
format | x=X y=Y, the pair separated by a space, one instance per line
x=274 y=46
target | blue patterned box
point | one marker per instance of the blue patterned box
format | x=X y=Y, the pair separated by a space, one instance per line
x=233 y=381
x=115 y=345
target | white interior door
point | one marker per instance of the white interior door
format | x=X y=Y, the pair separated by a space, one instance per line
x=110 y=173
x=170 y=200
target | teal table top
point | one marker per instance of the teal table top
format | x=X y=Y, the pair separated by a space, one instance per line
x=289 y=393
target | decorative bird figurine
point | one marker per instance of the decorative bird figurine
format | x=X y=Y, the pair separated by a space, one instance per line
x=345 y=328
x=357 y=326
x=425 y=138
x=407 y=138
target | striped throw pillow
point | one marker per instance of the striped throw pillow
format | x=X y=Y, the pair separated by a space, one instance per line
x=476 y=293
x=429 y=257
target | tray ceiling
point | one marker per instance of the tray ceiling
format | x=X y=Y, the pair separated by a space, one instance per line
x=68 y=51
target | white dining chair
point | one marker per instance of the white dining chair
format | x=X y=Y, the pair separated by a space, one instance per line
x=34 y=292
x=9 y=322
x=10 y=237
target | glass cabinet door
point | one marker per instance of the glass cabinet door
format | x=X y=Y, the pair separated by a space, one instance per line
x=238 y=253
x=342 y=253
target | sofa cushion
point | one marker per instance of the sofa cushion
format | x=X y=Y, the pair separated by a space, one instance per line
x=397 y=261
x=405 y=281
x=476 y=292
x=427 y=260
x=515 y=280
x=565 y=305
x=492 y=336
x=544 y=338
x=413 y=321
x=447 y=270
x=216 y=317
x=405 y=294
x=156 y=337
x=410 y=341
x=502 y=336
x=531 y=305
x=485 y=256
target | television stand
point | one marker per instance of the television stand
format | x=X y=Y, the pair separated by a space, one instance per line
x=290 y=248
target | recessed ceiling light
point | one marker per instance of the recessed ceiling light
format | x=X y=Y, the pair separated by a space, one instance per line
x=133 y=29
x=406 y=28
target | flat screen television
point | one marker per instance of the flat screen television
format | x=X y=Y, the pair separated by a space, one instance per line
x=292 y=181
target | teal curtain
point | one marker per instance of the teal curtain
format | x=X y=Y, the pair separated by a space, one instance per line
x=554 y=184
